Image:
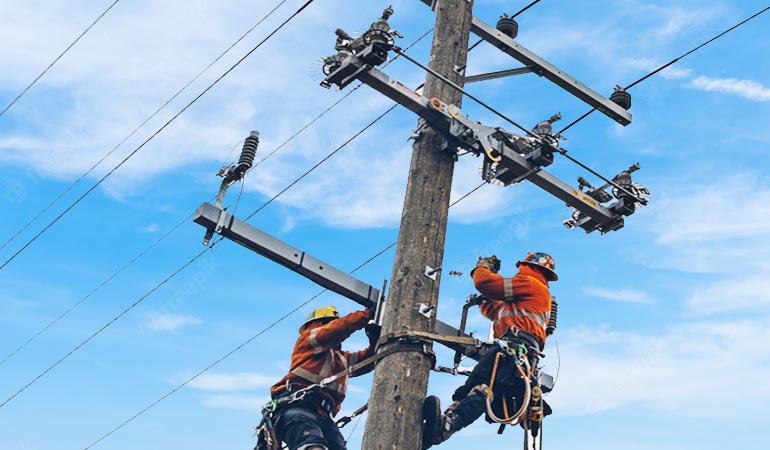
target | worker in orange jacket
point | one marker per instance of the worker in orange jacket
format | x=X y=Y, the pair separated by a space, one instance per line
x=519 y=308
x=308 y=424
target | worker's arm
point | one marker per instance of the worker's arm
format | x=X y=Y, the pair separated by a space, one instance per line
x=495 y=286
x=488 y=283
x=333 y=333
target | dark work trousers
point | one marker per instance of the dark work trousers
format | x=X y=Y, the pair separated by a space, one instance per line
x=301 y=425
x=508 y=385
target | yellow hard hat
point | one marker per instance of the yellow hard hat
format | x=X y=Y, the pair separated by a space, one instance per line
x=327 y=312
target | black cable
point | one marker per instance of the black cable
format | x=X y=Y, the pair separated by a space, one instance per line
x=326 y=158
x=302 y=8
x=525 y=8
x=113 y=320
x=97 y=288
x=512 y=17
x=673 y=61
x=562 y=151
x=141 y=125
x=57 y=58
x=235 y=208
x=458 y=88
x=334 y=104
x=245 y=343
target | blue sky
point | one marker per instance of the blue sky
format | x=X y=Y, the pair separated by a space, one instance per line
x=662 y=341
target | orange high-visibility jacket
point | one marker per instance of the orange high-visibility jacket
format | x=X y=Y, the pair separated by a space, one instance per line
x=523 y=301
x=317 y=355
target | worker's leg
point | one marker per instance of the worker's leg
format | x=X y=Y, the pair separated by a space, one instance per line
x=334 y=437
x=299 y=427
x=469 y=399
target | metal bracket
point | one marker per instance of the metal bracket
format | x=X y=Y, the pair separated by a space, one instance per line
x=500 y=74
x=431 y=273
x=426 y=310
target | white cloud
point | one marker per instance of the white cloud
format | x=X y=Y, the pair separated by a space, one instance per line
x=719 y=227
x=743 y=88
x=232 y=382
x=619 y=295
x=160 y=322
x=673 y=371
x=733 y=294
x=150 y=228
x=249 y=403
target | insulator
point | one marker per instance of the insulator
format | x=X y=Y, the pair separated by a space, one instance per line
x=621 y=98
x=552 y=320
x=508 y=26
x=249 y=152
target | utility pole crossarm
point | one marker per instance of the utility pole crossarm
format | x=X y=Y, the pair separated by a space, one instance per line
x=547 y=70
x=214 y=218
x=217 y=220
x=551 y=72
x=519 y=158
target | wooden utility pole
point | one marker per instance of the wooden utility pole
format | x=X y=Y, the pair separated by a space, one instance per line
x=401 y=379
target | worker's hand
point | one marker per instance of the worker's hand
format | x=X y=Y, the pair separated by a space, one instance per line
x=371 y=312
x=372 y=331
x=490 y=262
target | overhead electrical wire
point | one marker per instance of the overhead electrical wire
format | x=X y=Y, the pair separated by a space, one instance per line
x=113 y=320
x=562 y=151
x=96 y=289
x=174 y=229
x=674 y=61
x=141 y=125
x=247 y=342
x=515 y=15
x=21 y=94
x=214 y=83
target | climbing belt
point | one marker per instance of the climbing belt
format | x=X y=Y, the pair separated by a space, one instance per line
x=525 y=370
x=402 y=341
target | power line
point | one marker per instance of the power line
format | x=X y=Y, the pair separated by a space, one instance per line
x=334 y=104
x=562 y=151
x=104 y=327
x=57 y=58
x=141 y=125
x=326 y=158
x=110 y=278
x=674 y=61
x=24 y=247
x=97 y=288
x=248 y=341
x=515 y=15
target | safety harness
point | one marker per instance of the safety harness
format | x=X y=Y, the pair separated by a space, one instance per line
x=392 y=343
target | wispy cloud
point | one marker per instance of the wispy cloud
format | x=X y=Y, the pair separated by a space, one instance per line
x=618 y=295
x=232 y=382
x=150 y=228
x=666 y=372
x=747 y=294
x=748 y=89
x=240 y=402
x=162 y=322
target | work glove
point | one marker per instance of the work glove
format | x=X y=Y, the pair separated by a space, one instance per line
x=371 y=312
x=372 y=331
x=490 y=262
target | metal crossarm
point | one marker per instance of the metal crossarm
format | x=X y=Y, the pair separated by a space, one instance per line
x=517 y=157
x=544 y=68
x=219 y=221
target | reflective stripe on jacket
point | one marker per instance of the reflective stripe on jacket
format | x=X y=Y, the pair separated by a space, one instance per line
x=317 y=355
x=523 y=301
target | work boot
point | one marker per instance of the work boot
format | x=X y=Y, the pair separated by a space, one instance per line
x=431 y=420
x=450 y=423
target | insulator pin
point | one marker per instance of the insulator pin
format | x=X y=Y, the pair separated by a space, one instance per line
x=249 y=152
x=549 y=330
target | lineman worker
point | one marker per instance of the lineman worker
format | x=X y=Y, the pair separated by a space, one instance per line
x=308 y=424
x=519 y=308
